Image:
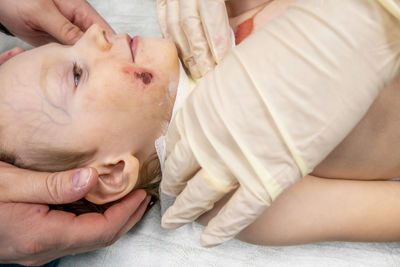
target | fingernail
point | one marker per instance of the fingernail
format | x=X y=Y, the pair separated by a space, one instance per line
x=147 y=199
x=81 y=178
x=144 y=196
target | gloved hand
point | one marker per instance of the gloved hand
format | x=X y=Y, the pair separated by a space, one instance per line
x=200 y=30
x=274 y=108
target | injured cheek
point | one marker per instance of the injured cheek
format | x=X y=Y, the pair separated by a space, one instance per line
x=146 y=77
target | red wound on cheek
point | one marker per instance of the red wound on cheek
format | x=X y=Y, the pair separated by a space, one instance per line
x=243 y=30
x=145 y=76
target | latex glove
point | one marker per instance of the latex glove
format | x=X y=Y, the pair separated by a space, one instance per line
x=276 y=106
x=31 y=234
x=42 y=21
x=200 y=30
x=237 y=7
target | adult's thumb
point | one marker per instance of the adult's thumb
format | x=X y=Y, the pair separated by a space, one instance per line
x=58 y=26
x=18 y=185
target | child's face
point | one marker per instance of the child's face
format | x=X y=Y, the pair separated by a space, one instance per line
x=94 y=95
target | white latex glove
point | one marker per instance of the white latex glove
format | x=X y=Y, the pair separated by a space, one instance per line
x=200 y=30
x=276 y=106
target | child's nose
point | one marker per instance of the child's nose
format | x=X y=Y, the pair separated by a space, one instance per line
x=97 y=37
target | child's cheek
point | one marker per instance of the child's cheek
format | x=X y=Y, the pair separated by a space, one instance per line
x=140 y=78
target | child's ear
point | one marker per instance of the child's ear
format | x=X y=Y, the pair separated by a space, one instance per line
x=10 y=53
x=116 y=179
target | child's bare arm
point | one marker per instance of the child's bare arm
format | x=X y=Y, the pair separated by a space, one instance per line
x=316 y=210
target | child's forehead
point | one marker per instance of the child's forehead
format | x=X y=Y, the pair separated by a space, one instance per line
x=31 y=61
x=27 y=82
x=34 y=67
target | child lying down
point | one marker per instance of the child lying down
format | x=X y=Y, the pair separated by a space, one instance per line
x=101 y=103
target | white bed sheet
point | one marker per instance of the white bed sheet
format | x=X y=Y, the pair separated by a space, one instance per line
x=147 y=244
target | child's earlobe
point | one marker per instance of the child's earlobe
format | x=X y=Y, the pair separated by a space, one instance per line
x=9 y=54
x=116 y=180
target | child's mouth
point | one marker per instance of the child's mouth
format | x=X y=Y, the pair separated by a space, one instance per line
x=134 y=44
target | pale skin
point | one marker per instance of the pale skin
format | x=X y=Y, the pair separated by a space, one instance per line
x=327 y=205
x=25 y=237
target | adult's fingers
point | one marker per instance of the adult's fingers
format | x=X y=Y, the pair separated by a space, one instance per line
x=82 y=14
x=199 y=196
x=10 y=53
x=134 y=219
x=58 y=26
x=120 y=219
x=162 y=17
x=19 y=185
x=39 y=39
x=216 y=27
x=242 y=209
x=92 y=230
x=176 y=33
x=180 y=164
x=60 y=233
x=192 y=26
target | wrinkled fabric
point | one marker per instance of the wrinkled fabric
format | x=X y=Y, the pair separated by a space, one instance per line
x=393 y=6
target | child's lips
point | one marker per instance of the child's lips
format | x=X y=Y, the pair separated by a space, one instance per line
x=134 y=44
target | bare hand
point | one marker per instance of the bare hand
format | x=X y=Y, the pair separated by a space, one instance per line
x=31 y=234
x=42 y=21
